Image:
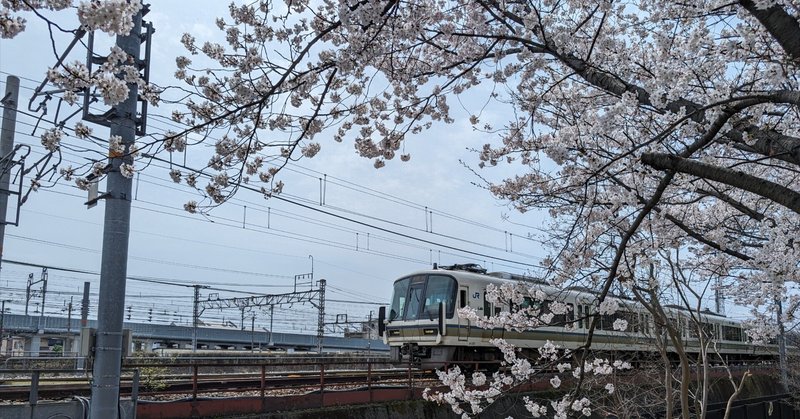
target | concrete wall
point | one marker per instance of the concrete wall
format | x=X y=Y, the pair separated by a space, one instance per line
x=74 y=409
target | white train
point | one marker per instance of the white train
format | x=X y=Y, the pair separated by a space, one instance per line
x=422 y=324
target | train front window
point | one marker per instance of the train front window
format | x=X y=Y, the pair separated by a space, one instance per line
x=440 y=288
x=414 y=300
x=399 y=298
x=418 y=297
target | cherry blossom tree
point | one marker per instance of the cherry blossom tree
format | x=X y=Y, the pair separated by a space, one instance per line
x=640 y=127
x=672 y=120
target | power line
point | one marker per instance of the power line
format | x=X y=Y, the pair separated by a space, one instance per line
x=379 y=194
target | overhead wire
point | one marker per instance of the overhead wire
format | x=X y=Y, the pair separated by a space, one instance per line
x=355 y=186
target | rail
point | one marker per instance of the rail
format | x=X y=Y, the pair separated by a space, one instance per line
x=190 y=379
x=194 y=378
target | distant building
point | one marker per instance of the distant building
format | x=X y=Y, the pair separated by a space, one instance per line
x=366 y=330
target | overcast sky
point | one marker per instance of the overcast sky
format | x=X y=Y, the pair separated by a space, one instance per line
x=371 y=228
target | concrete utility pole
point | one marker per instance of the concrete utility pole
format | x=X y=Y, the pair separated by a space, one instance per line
x=85 y=305
x=10 y=100
x=196 y=315
x=2 y=323
x=114 y=265
x=44 y=295
x=321 y=317
x=28 y=292
x=252 y=332
x=69 y=316
x=271 y=308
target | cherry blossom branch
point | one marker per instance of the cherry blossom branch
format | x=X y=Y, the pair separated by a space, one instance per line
x=780 y=24
x=765 y=188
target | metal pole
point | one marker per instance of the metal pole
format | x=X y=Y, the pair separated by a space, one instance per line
x=135 y=391
x=84 y=321
x=369 y=334
x=85 y=305
x=116 y=233
x=2 y=321
x=28 y=292
x=10 y=100
x=321 y=318
x=44 y=294
x=271 y=307
x=252 y=332
x=195 y=317
x=69 y=316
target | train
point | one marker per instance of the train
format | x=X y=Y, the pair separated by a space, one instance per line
x=422 y=325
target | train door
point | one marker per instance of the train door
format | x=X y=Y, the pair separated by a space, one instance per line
x=463 y=324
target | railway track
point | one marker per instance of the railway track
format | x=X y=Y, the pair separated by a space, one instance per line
x=53 y=388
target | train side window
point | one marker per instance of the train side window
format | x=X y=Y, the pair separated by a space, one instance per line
x=462 y=297
x=570 y=313
x=708 y=329
x=732 y=333
x=561 y=315
x=588 y=319
x=630 y=317
x=644 y=322
x=487 y=307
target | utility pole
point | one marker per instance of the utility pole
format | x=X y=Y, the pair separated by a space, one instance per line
x=69 y=316
x=196 y=315
x=84 y=321
x=9 y=100
x=369 y=334
x=44 y=294
x=116 y=232
x=28 y=292
x=2 y=322
x=321 y=318
x=252 y=332
x=271 y=308
x=85 y=305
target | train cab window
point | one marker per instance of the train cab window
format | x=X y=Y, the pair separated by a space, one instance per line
x=440 y=288
x=414 y=300
x=399 y=297
x=487 y=306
